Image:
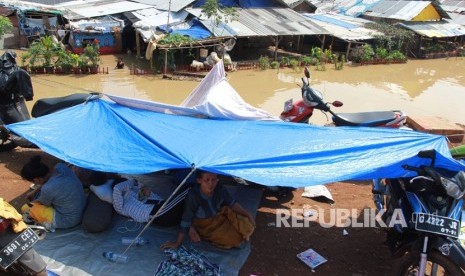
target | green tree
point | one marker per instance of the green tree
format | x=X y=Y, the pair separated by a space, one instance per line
x=92 y=54
x=43 y=50
x=393 y=37
x=5 y=26
x=217 y=13
x=264 y=63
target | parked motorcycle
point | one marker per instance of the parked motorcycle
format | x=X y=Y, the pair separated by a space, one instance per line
x=423 y=215
x=17 y=255
x=301 y=110
x=42 y=107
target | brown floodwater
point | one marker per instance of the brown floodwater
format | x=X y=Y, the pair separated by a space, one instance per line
x=419 y=87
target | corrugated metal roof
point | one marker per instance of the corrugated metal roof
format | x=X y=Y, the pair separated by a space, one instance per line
x=262 y=22
x=435 y=29
x=151 y=18
x=30 y=6
x=164 y=4
x=456 y=10
x=292 y=3
x=346 y=7
x=344 y=27
x=379 y=8
x=456 y=6
x=105 y=23
x=98 y=8
x=401 y=10
x=458 y=18
x=47 y=2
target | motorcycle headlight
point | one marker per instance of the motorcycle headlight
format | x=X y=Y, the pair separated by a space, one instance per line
x=312 y=97
x=455 y=186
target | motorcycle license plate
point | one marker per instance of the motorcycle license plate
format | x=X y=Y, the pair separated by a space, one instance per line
x=436 y=224
x=16 y=248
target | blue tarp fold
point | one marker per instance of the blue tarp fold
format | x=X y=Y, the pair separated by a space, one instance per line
x=106 y=136
x=196 y=31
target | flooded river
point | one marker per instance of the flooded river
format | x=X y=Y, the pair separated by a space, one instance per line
x=420 y=87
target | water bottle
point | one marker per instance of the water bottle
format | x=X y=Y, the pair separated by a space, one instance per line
x=139 y=241
x=114 y=257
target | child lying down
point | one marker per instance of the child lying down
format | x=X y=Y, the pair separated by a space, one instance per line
x=134 y=200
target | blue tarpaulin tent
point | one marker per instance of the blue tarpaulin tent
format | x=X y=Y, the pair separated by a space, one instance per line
x=106 y=136
x=196 y=31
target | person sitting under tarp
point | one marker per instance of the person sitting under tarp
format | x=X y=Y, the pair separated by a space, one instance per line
x=211 y=214
x=98 y=213
x=134 y=200
x=59 y=200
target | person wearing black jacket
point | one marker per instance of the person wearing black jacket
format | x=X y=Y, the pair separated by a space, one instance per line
x=15 y=90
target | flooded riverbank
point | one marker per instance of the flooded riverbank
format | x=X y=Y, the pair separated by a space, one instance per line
x=419 y=87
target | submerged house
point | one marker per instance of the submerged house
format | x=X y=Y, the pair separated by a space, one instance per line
x=91 y=21
x=75 y=23
x=259 y=28
x=426 y=18
x=30 y=21
x=106 y=31
x=346 y=32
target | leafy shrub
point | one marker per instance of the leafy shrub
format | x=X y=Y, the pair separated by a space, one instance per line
x=327 y=55
x=397 y=55
x=381 y=53
x=285 y=61
x=294 y=64
x=175 y=39
x=306 y=60
x=363 y=53
x=368 y=52
x=5 y=25
x=24 y=57
x=92 y=53
x=338 y=61
x=264 y=63
x=316 y=52
x=274 y=64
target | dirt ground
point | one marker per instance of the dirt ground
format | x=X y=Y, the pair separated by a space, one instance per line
x=274 y=250
x=359 y=251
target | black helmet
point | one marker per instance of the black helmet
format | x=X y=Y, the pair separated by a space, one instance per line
x=8 y=59
x=9 y=55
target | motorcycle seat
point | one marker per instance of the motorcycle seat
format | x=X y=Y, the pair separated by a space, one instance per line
x=375 y=118
x=49 y=105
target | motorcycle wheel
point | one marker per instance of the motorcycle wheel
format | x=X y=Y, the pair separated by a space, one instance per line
x=19 y=270
x=30 y=264
x=6 y=144
x=408 y=265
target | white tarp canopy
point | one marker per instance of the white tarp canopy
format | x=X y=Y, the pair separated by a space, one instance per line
x=214 y=97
